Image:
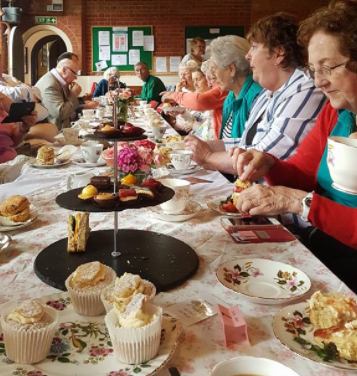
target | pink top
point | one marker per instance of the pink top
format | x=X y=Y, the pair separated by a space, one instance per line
x=7 y=150
x=210 y=100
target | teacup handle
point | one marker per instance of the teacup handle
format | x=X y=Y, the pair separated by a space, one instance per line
x=69 y=182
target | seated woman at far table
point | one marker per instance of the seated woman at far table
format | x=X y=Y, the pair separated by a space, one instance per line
x=111 y=75
x=302 y=185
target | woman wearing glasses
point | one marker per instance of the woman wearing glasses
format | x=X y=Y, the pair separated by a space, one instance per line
x=302 y=185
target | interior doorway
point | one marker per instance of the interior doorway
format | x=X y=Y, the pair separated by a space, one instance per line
x=44 y=55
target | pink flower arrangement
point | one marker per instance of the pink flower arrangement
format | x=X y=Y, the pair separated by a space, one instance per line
x=139 y=156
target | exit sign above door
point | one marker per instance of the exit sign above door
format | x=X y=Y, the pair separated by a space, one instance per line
x=46 y=20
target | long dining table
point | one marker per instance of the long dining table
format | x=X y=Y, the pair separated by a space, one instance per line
x=201 y=345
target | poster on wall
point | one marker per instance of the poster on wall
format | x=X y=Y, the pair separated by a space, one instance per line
x=103 y=38
x=138 y=38
x=119 y=60
x=120 y=42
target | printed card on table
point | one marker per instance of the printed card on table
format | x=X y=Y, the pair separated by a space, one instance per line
x=192 y=311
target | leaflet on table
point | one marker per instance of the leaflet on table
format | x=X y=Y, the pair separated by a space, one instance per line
x=194 y=310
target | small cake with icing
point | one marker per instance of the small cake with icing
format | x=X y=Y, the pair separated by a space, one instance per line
x=105 y=200
x=88 y=192
x=135 y=331
x=126 y=195
x=28 y=328
x=85 y=286
x=101 y=182
x=124 y=289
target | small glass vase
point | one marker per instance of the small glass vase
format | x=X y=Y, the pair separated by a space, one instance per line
x=123 y=109
x=140 y=176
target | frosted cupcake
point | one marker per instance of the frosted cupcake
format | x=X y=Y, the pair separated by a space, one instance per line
x=85 y=286
x=28 y=331
x=136 y=332
x=125 y=288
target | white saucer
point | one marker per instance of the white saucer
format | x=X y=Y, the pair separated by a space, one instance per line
x=189 y=212
x=193 y=168
x=264 y=281
x=344 y=190
x=29 y=221
x=55 y=165
x=83 y=163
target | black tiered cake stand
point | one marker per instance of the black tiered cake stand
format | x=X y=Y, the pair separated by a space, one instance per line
x=165 y=261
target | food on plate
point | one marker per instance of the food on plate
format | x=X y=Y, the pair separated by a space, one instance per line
x=334 y=316
x=15 y=209
x=107 y=122
x=330 y=309
x=129 y=130
x=78 y=232
x=135 y=332
x=239 y=186
x=129 y=180
x=101 y=182
x=164 y=154
x=45 y=156
x=88 y=192
x=153 y=184
x=228 y=206
x=108 y=128
x=144 y=193
x=126 y=195
x=85 y=285
x=28 y=330
x=105 y=200
x=175 y=138
x=124 y=289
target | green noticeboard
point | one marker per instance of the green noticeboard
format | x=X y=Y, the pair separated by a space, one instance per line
x=112 y=44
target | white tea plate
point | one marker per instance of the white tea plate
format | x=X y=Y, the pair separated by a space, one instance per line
x=193 y=168
x=82 y=347
x=5 y=241
x=83 y=163
x=19 y=225
x=264 y=281
x=216 y=206
x=189 y=212
x=293 y=329
x=58 y=163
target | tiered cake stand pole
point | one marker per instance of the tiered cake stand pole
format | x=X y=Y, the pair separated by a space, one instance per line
x=115 y=252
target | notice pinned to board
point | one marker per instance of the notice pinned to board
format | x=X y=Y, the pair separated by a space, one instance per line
x=214 y=31
x=103 y=38
x=148 y=43
x=175 y=63
x=119 y=60
x=160 y=65
x=138 y=38
x=134 y=57
x=104 y=52
x=120 y=42
x=120 y=28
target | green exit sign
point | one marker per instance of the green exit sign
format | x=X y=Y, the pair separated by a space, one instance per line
x=46 y=20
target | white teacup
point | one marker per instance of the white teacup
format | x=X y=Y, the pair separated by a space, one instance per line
x=158 y=131
x=80 y=179
x=181 y=198
x=341 y=156
x=142 y=103
x=181 y=159
x=71 y=135
x=249 y=365
x=91 y=153
x=88 y=113
x=99 y=113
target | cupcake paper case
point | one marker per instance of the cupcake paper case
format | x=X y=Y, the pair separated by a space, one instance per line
x=87 y=302
x=135 y=345
x=28 y=344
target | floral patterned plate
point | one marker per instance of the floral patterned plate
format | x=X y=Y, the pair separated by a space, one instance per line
x=193 y=168
x=264 y=281
x=58 y=163
x=292 y=327
x=82 y=347
x=217 y=207
x=189 y=212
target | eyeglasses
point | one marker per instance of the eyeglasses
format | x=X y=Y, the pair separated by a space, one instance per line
x=325 y=71
x=76 y=73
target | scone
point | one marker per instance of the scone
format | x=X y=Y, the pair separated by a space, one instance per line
x=331 y=309
x=45 y=156
x=85 y=286
x=28 y=330
x=136 y=332
x=343 y=336
x=15 y=208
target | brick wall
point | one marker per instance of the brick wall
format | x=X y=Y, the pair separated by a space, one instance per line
x=168 y=18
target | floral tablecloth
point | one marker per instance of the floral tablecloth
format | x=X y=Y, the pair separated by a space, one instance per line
x=201 y=345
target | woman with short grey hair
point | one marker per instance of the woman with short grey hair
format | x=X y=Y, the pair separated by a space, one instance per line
x=185 y=72
x=233 y=74
x=111 y=75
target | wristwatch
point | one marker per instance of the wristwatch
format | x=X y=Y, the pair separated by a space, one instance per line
x=306 y=204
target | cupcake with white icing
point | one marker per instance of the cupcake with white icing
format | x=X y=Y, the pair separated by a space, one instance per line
x=28 y=330
x=85 y=286
x=124 y=289
x=136 y=331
